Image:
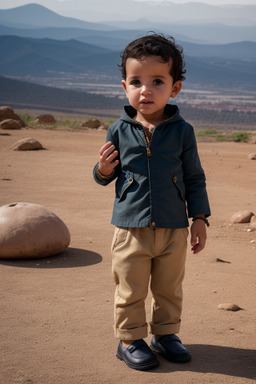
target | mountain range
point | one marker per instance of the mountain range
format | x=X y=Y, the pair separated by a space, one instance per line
x=34 y=20
x=164 y=11
x=38 y=43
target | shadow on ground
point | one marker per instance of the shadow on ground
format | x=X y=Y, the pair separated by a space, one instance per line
x=216 y=359
x=70 y=258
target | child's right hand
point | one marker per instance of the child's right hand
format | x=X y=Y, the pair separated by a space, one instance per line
x=107 y=156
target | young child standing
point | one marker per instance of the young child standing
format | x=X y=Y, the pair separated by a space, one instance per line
x=152 y=153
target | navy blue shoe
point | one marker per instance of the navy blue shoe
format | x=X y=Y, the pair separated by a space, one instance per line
x=170 y=347
x=137 y=356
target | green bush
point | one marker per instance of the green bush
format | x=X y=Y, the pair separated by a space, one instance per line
x=241 y=137
x=26 y=118
x=223 y=137
x=206 y=132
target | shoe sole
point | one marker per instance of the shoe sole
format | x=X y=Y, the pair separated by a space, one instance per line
x=138 y=367
x=183 y=359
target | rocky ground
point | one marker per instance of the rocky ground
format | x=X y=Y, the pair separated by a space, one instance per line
x=56 y=313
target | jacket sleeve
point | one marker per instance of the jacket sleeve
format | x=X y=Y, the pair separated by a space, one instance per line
x=194 y=177
x=106 y=180
x=102 y=180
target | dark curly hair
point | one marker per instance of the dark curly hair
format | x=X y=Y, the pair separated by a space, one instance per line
x=157 y=45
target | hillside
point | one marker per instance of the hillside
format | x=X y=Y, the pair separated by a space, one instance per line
x=29 y=95
x=20 y=94
x=116 y=39
x=226 y=66
x=38 y=57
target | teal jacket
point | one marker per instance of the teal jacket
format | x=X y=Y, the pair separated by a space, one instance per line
x=160 y=184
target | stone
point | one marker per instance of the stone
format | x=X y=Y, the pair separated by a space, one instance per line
x=45 y=119
x=222 y=261
x=29 y=230
x=252 y=156
x=10 y=124
x=27 y=144
x=229 y=307
x=8 y=113
x=253 y=222
x=93 y=123
x=242 y=217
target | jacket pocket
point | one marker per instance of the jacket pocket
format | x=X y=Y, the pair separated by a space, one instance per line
x=178 y=187
x=127 y=183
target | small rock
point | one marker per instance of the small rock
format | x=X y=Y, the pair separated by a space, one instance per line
x=253 y=223
x=92 y=123
x=222 y=261
x=10 y=124
x=8 y=113
x=252 y=156
x=45 y=119
x=229 y=307
x=27 y=144
x=242 y=217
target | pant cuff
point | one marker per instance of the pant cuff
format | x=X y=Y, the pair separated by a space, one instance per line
x=131 y=334
x=158 y=329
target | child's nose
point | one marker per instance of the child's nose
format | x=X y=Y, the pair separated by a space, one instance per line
x=145 y=90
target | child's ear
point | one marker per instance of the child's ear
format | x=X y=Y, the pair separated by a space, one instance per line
x=123 y=82
x=176 y=88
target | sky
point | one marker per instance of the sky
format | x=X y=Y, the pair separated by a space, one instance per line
x=4 y=4
x=212 y=2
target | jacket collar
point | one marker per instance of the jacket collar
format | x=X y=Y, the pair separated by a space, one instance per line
x=171 y=110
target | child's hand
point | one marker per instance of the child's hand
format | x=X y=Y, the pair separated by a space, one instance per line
x=198 y=236
x=107 y=156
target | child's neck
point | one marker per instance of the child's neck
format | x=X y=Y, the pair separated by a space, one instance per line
x=150 y=121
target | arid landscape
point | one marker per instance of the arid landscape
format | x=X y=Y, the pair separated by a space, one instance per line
x=56 y=313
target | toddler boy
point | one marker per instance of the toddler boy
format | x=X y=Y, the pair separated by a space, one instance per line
x=152 y=154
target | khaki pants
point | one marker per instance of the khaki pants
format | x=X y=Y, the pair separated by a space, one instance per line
x=142 y=256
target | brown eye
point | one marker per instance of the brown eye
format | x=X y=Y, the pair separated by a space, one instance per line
x=135 y=83
x=158 y=82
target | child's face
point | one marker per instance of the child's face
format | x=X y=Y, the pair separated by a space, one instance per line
x=149 y=86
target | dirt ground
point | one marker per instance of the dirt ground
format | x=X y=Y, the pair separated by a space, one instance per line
x=56 y=314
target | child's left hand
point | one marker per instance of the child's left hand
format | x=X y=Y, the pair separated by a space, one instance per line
x=198 y=236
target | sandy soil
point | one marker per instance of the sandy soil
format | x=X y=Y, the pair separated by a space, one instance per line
x=56 y=313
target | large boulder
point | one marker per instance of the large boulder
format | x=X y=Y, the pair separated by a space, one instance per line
x=30 y=231
x=27 y=144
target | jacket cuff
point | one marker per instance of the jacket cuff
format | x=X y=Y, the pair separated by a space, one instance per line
x=101 y=179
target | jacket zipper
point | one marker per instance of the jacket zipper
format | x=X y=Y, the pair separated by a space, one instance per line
x=145 y=140
x=149 y=179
